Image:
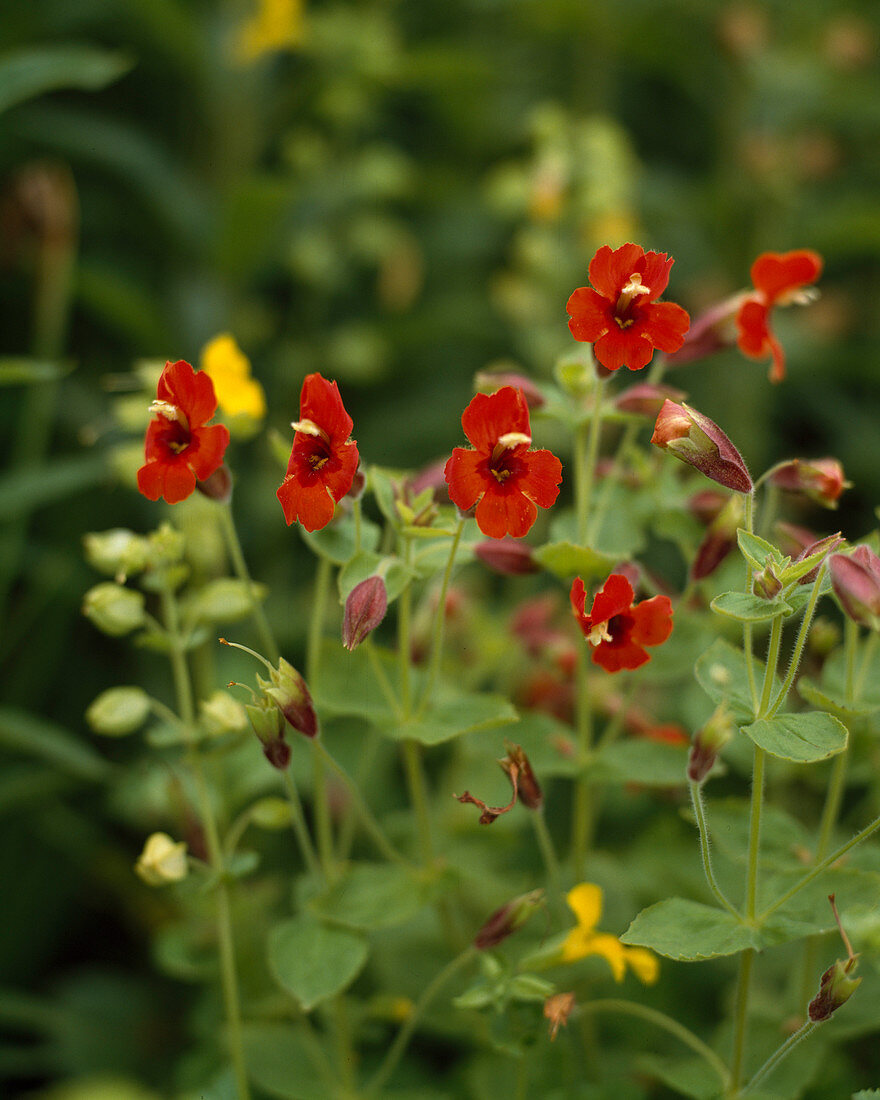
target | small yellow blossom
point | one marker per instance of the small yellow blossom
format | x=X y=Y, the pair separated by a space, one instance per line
x=275 y=25
x=162 y=860
x=230 y=370
x=585 y=901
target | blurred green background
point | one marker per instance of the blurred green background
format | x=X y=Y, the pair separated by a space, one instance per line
x=394 y=194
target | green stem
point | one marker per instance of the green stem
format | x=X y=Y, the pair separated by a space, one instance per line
x=356 y=512
x=586 y=440
x=661 y=1020
x=703 y=827
x=369 y=822
x=867 y=658
x=755 y=832
x=770 y=670
x=799 y=644
x=749 y=520
x=395 y=1051
x=418 y=794
x=548 y=853
x=382 y=678
x=783 y=1052
x=229 y=979
x=741 y=1015
x=323 y=824
x=239 y=566
x=582 y=813
x=298 y=823
x=604 y=498
x=439 y=620
x=404 y=645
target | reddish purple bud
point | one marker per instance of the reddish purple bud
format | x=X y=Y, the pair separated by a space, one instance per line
x=505 y=921
x=217 y=486
x=855 y=579
x=835 y=989
x=646 y=399
x=719 y=540
x=767 y=584
x=508 y=556
x=268 y=725
x=699 y=442
x=518 y=769
x=365 y=608
x=289 y=693
x=488 y=381
x=705 y=505
x=707 y=744
x=712 y=331
x=820 y=480
x=823 y=546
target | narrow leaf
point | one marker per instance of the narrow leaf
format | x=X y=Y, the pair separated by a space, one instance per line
x=31 y=72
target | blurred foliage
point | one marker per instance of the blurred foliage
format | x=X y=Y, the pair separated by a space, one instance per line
x=396 y=195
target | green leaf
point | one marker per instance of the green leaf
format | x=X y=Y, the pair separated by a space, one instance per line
x=833 y=686
x=373 y=895
x=31 y=72
x=689 y=931
x=757 y=550
x=567 y=560
x=34 y=736
x=691 y=1077
x=452 y=717
x=338 y=540
x=367 y=564
x=721 y=673
x=746 y=608
x=836 y=703
x=803 y=738
x=23 y=491
x=16 y=371
x=313 y=961
x=640 y=760
x=280 y=1061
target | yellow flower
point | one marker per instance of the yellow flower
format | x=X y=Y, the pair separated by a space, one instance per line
x=230 y=370
x=585 y=901
x=276 y=25
x=162 y=860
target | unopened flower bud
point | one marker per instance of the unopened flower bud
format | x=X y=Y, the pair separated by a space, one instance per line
x=113 y=609
x=712 y=331
x=705 y=505
x=855 y=579
x=358 y=484
x=823 y=546
x=820 y=480
x=162 y=860
x=646 y=399
x=506 y=920
x=365 y=608
x=767 y=584
x=268 y=724
x=166 y=547
x=218 y=486
x=707 y=744
x=222 y=714
x=518 y=769
x=488 y=381
x=699 y=442
x=719 y=540
x=508 y=556
x=119 y=711
x=289 y=692
x=119 y=553
x=835 y=989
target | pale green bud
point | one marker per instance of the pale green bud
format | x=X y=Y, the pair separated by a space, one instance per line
x=113 y=609
x=119 y=711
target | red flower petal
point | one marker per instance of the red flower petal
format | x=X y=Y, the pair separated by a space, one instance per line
x=502 y=513
x=466 y=479
x=543 y=473
x=610 y=269
x=615 y=598
x=205 y=452
x=626 y=655
x=310 y=503
x=190 y=390
x=321 y=403
x=590 y=315
x=655 y=273
x=652 y=621
x=490 y=416
x=665 y=325
x=775 y=272
x=623 y=348
x=754 y=331
x=578 y=597
x=173 y=481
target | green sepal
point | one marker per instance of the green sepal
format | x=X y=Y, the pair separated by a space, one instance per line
x=756 y=550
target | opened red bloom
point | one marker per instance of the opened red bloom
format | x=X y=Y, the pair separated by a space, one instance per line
x=780 y=278
x=621 y=317
x=501 y=473
x=179 y=448
x=323 y=460
x=617 y=629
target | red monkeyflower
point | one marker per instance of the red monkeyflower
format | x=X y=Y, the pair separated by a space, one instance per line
x=780 y=278
x=323 y=460
x=501 y=475
x=621 y=316
x=178 y=447
x=617 y=629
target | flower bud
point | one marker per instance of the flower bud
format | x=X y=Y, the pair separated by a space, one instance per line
x=821 y=546
x=518 y=769
x=288 y=691
x=113 y=609
x=119 y=553
x=699 y=442
x=488 y=381
x=268 y=724
x=820 y=480
x=835 y=989
x=166 y=547
x=365 y=608
x=119 y=711
x=505 y=921
x=218 y=485
x=855 y=579
x=705 y=505
x=646 y=399
x=767 y=584
x=222 y=714
x=509 y=556
x=712 y=331
x=708 y=742
x=719 y=540
x=162 y=860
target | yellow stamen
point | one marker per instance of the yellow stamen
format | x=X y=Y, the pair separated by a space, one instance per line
x=507 y=442
x=309 y=427
x=169 y=412
x=598 y=634
x=632 y=290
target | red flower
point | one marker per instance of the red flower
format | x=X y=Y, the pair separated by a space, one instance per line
x=617 y=629
x=323 y=460
x=502 y=474
x=621 y=317
x=179 y=448
x=779 y=279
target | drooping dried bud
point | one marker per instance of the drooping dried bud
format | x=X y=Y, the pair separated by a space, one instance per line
x=365 y=608
x=719 y=540
x=855 y=579
x=557 y=1010
x=820 y=479
x=835 y=989
x=708 y=742
x=698 y=441
x=518 y=769
x=218 y=486
x=488 y=381
x=766 y=583
x=505 y=921
x=646 y=399
x=509 y=556
x=162 y=860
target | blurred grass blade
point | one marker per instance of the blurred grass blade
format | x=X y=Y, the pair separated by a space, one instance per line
x=19 y=371
x=23 y=491
x=35 y=736
x=28 y=73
